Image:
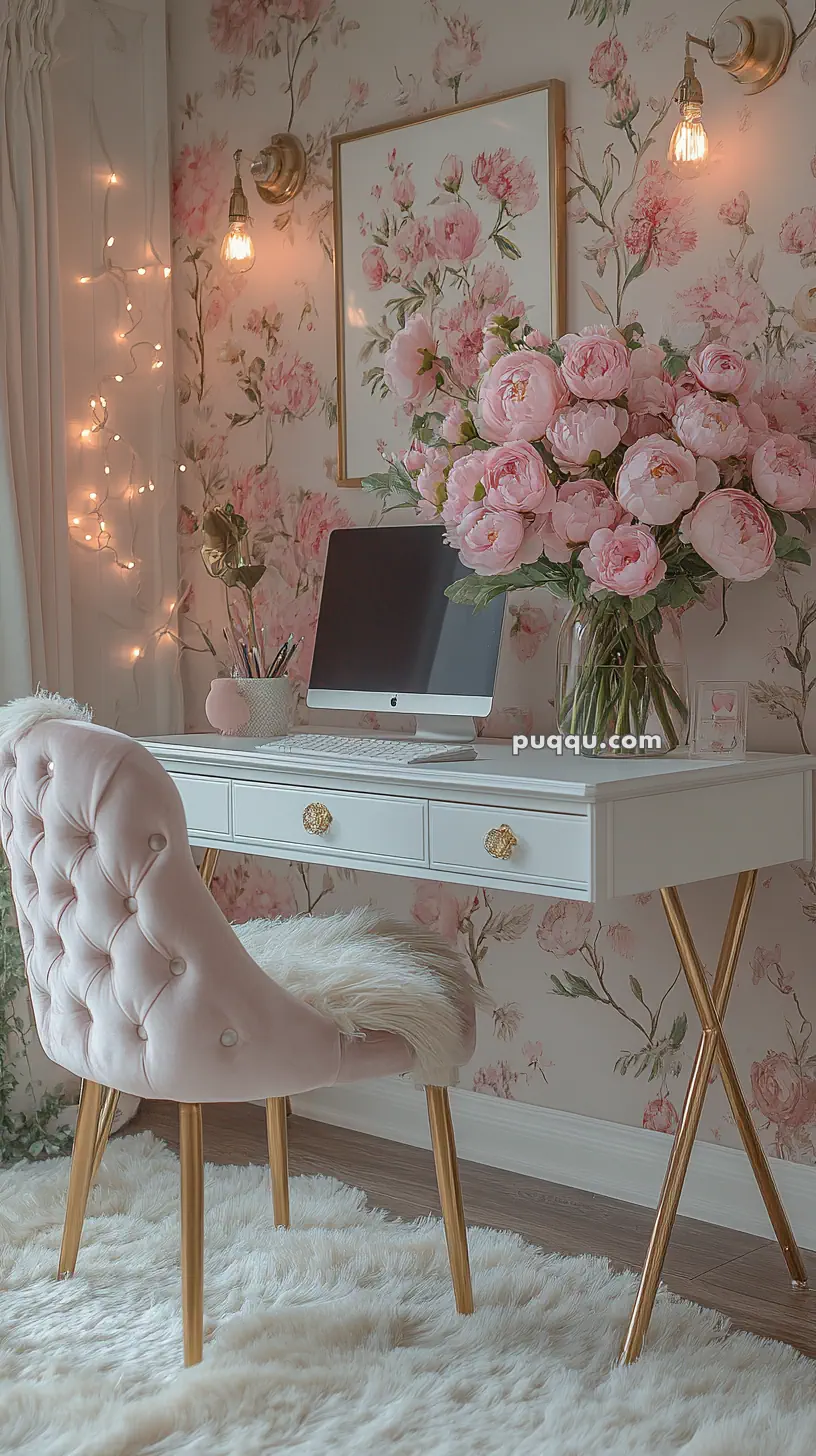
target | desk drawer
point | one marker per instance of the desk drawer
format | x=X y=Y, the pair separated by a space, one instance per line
x=551 y=848
x=206 y=803
x=365 y=825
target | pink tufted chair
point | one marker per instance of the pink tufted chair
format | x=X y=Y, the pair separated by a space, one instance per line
x=138 y=983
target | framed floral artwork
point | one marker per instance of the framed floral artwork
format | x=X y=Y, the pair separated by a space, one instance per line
x=454 y=216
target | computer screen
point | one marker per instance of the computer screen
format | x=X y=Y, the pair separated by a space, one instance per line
x=388 y=637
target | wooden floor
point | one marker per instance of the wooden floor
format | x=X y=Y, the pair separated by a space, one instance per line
x=743 y=1276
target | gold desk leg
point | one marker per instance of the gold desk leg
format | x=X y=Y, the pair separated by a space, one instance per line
x=192 y=1229
x=208 y=866
x=110 y=1102
x=450 y=1195
x=711 y=1007
x=79 y=1183
x=276 y=1136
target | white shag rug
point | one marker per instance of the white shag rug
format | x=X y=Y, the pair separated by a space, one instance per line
x=339 y=1335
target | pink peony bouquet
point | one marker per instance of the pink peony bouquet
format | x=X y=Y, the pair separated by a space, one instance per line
x=620 y=474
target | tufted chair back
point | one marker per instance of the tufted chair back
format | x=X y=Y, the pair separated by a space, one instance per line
x=137 y=981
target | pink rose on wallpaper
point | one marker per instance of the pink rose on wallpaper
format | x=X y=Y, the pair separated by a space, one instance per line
x=565 y=927
x=657 y=231
x=720 y=369
x=403 y=189
x=660 y=1115
x=606 y=62
x=409 y=247
x=319 y=514
x=577 y=433
x=520 y=396
x=784 y=473
x=492 y=542
x=658 y=480
x=409 y=363
x=237 y=26
x=515 y=478
x=623 y=104
x=734 y=213
x=626 y=560
x=496 y=1081
x=255 y=493
x=198 y=188
x=710 y=427
x=250 y=892
x=764 y=961
x=457 y=234
x=622 y=938
x=436 y=908
x=449 y=176
x=582 y=508
x=729 y=303
x=507 y=180
x=530 y=627
x=733 y=533
x=459 y=53
x=375 y=268
x=798 y=234
x=291 y=388
x=782 y=1092
x=596 y=363
x=227 y=287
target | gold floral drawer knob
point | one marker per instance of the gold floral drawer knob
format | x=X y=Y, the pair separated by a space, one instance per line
x=500 y=842
x=316 y=819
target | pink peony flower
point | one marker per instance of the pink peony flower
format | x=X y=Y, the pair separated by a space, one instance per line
x=403 y=190
x=658 y=480
x=431 y=481
x=465 y=487
x=519 y=396
x=507 y=180
x=459 y=52
x=732 y=532
x=710 y=427
x=582 y=508
x=782 y=1092
x=656 y=232
x=623 y=104
x=409 y=247
x=552 y=545
x=410 y=365
x=584 y=430
x=449 y=176
x=784 y=473
x=436 y=908
x=606 y=62
x=492 y=542
x=798 y=234
x=648 y=362
x=457 y=234
x=735 y=212
x=237 y=26
x=626 y=561
x=457 y=426
x=375 y=268
x=652 y=396
x=291 y=388
x=198 y=187
x=531 y=626
x=660 y=1115
x=730 y=301
x=719 y=370
x=537 y=340
x=319 y=515
x=596 y=363
x=515 y=478
x=565 y=927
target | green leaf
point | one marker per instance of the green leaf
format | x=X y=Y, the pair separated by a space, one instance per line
x=558 y=989
x=477 y=591
x=636 y=989
x=790 y=548
x=678 y=1030
x=640 y=607
x=507 y=247
x=580 y=986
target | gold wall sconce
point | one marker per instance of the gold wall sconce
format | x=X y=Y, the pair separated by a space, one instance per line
x=752 y=40
x=278 y=171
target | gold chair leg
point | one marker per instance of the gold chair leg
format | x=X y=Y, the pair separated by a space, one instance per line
x=208 y=866
x=450 y=1194
x=79 y=1183
x=191 y=1151
x=277 y=1139
x=711 y=1006
x=110 y=1102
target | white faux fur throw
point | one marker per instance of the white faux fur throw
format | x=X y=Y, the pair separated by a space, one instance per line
x=21 y=714
x=371 y=974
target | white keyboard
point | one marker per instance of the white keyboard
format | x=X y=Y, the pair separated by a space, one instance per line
x=370 y=750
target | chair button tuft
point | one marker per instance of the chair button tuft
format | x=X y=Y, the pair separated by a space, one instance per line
x=141 y=1032
x=49 y=768
x=131 y=904
x=177 y=966
x=229 y=1037
x=92 y=841
x=157 y=842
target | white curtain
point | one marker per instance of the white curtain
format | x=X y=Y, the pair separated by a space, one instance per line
x=35 y=600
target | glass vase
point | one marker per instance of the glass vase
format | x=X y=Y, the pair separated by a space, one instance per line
x=621 y=687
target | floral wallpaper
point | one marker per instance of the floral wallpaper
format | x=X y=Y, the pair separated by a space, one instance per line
x=591 y=1015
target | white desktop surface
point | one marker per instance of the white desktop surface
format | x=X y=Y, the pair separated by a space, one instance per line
x=587 y=828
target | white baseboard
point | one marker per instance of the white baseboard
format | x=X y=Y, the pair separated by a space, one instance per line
x=580 y=1152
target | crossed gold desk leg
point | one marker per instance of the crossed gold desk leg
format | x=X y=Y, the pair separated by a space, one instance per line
x=711 y=1007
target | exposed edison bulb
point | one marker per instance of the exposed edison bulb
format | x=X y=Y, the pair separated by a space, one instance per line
x=688 y=148
x=238 y=249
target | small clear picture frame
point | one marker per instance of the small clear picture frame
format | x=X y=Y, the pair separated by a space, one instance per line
x=719 y=721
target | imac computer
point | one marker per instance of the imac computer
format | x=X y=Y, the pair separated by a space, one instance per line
x=389 y=640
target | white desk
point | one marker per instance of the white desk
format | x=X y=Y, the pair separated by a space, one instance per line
x=576 y=828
